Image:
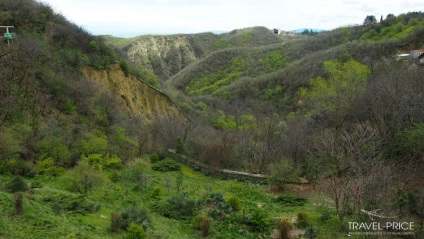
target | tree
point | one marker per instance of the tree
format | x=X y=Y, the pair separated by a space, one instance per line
x=370 y=20
x=331 y=97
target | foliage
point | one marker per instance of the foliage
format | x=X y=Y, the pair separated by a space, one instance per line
x=257 y=219
x=302 y=220
x=203 y=223
x=344 y=81
x=137 y=216
x=124 y=67
x=234 y=203
x=311 y=232
x=115 y=222
x=290 y=200
x=19 y=208
x=178 y=206
x=136 y=232
x=393 y=27
x=166 y=165
x=94 y=143
x=369 y=20
x=47 y=166
x=410 y=140
x=83 y=178
x=101 y=162
x=282 y=173
x=17 y=184
x=154 y=158
x=220 y=206
x=284 y=227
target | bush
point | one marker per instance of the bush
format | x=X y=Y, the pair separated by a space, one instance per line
x=156 y=193
x=115 y=222
x=257 y=219
x=284 y=227
x=17 y=184
x=82 y=178
x=221 y=206
x=203 y=223
x=289 y=200
x=311 y=233
x=166 y=165
x=178 y=207
x=133 y=215
x=154 y=158
x=19 y=209
x=302 y=220
x=136 y=232
x=234 y=203
x=124 y=67
x=325 y=216
x=282 y=173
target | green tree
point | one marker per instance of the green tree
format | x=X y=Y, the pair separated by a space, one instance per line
x=124 y=67
x=95 y=143
x=343 y=84
x=369 y=20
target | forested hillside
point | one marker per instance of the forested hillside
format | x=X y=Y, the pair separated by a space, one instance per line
x=165 y=56
x=337 y=108
x=52 y=109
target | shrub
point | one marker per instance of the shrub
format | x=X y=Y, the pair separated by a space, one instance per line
x=282 y=173
x=156 y=193
x=203 y=223
x=234 y=203
x=221 y=206
x=289 y=200
x=302 y=220
x=134 y=215
x=284 y=227
x=136 y=232
x=18 y=167
x=83 y=178
x=178 y=207
x=166 y=165
x=19 y=209
x=154 y=158
x=257 y=219
x=17 y=184
x=100 y=162
x=115 y=222
x=311 y=233
x=325 y=216
x=124 y=67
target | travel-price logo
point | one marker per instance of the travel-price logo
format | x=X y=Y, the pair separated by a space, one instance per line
x=386 y=225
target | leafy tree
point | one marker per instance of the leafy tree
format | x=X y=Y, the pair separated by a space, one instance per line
x=94 y=143
x=370 y=20
x=343 y=84
x=124 y=67
x=17 y=184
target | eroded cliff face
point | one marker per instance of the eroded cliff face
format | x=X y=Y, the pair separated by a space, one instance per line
x=166 y=55
x=136 y=96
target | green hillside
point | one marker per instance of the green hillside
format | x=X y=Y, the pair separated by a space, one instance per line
x=165 y=56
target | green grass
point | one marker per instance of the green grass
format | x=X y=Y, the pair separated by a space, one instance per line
x=40 y=220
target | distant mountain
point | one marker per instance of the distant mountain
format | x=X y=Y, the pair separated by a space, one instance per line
x=309 y=29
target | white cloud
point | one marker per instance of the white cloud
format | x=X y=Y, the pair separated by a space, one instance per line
x=135 y=17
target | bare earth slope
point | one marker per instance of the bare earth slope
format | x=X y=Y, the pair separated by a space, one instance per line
x=136 y=96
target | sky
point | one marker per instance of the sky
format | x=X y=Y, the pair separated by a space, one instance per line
x=129 y=18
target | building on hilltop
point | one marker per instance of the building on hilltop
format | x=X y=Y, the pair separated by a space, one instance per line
x=417 y=56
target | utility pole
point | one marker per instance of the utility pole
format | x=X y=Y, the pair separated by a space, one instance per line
x=7 y=35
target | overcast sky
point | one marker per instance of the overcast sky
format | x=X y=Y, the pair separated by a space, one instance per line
x=127 y=18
